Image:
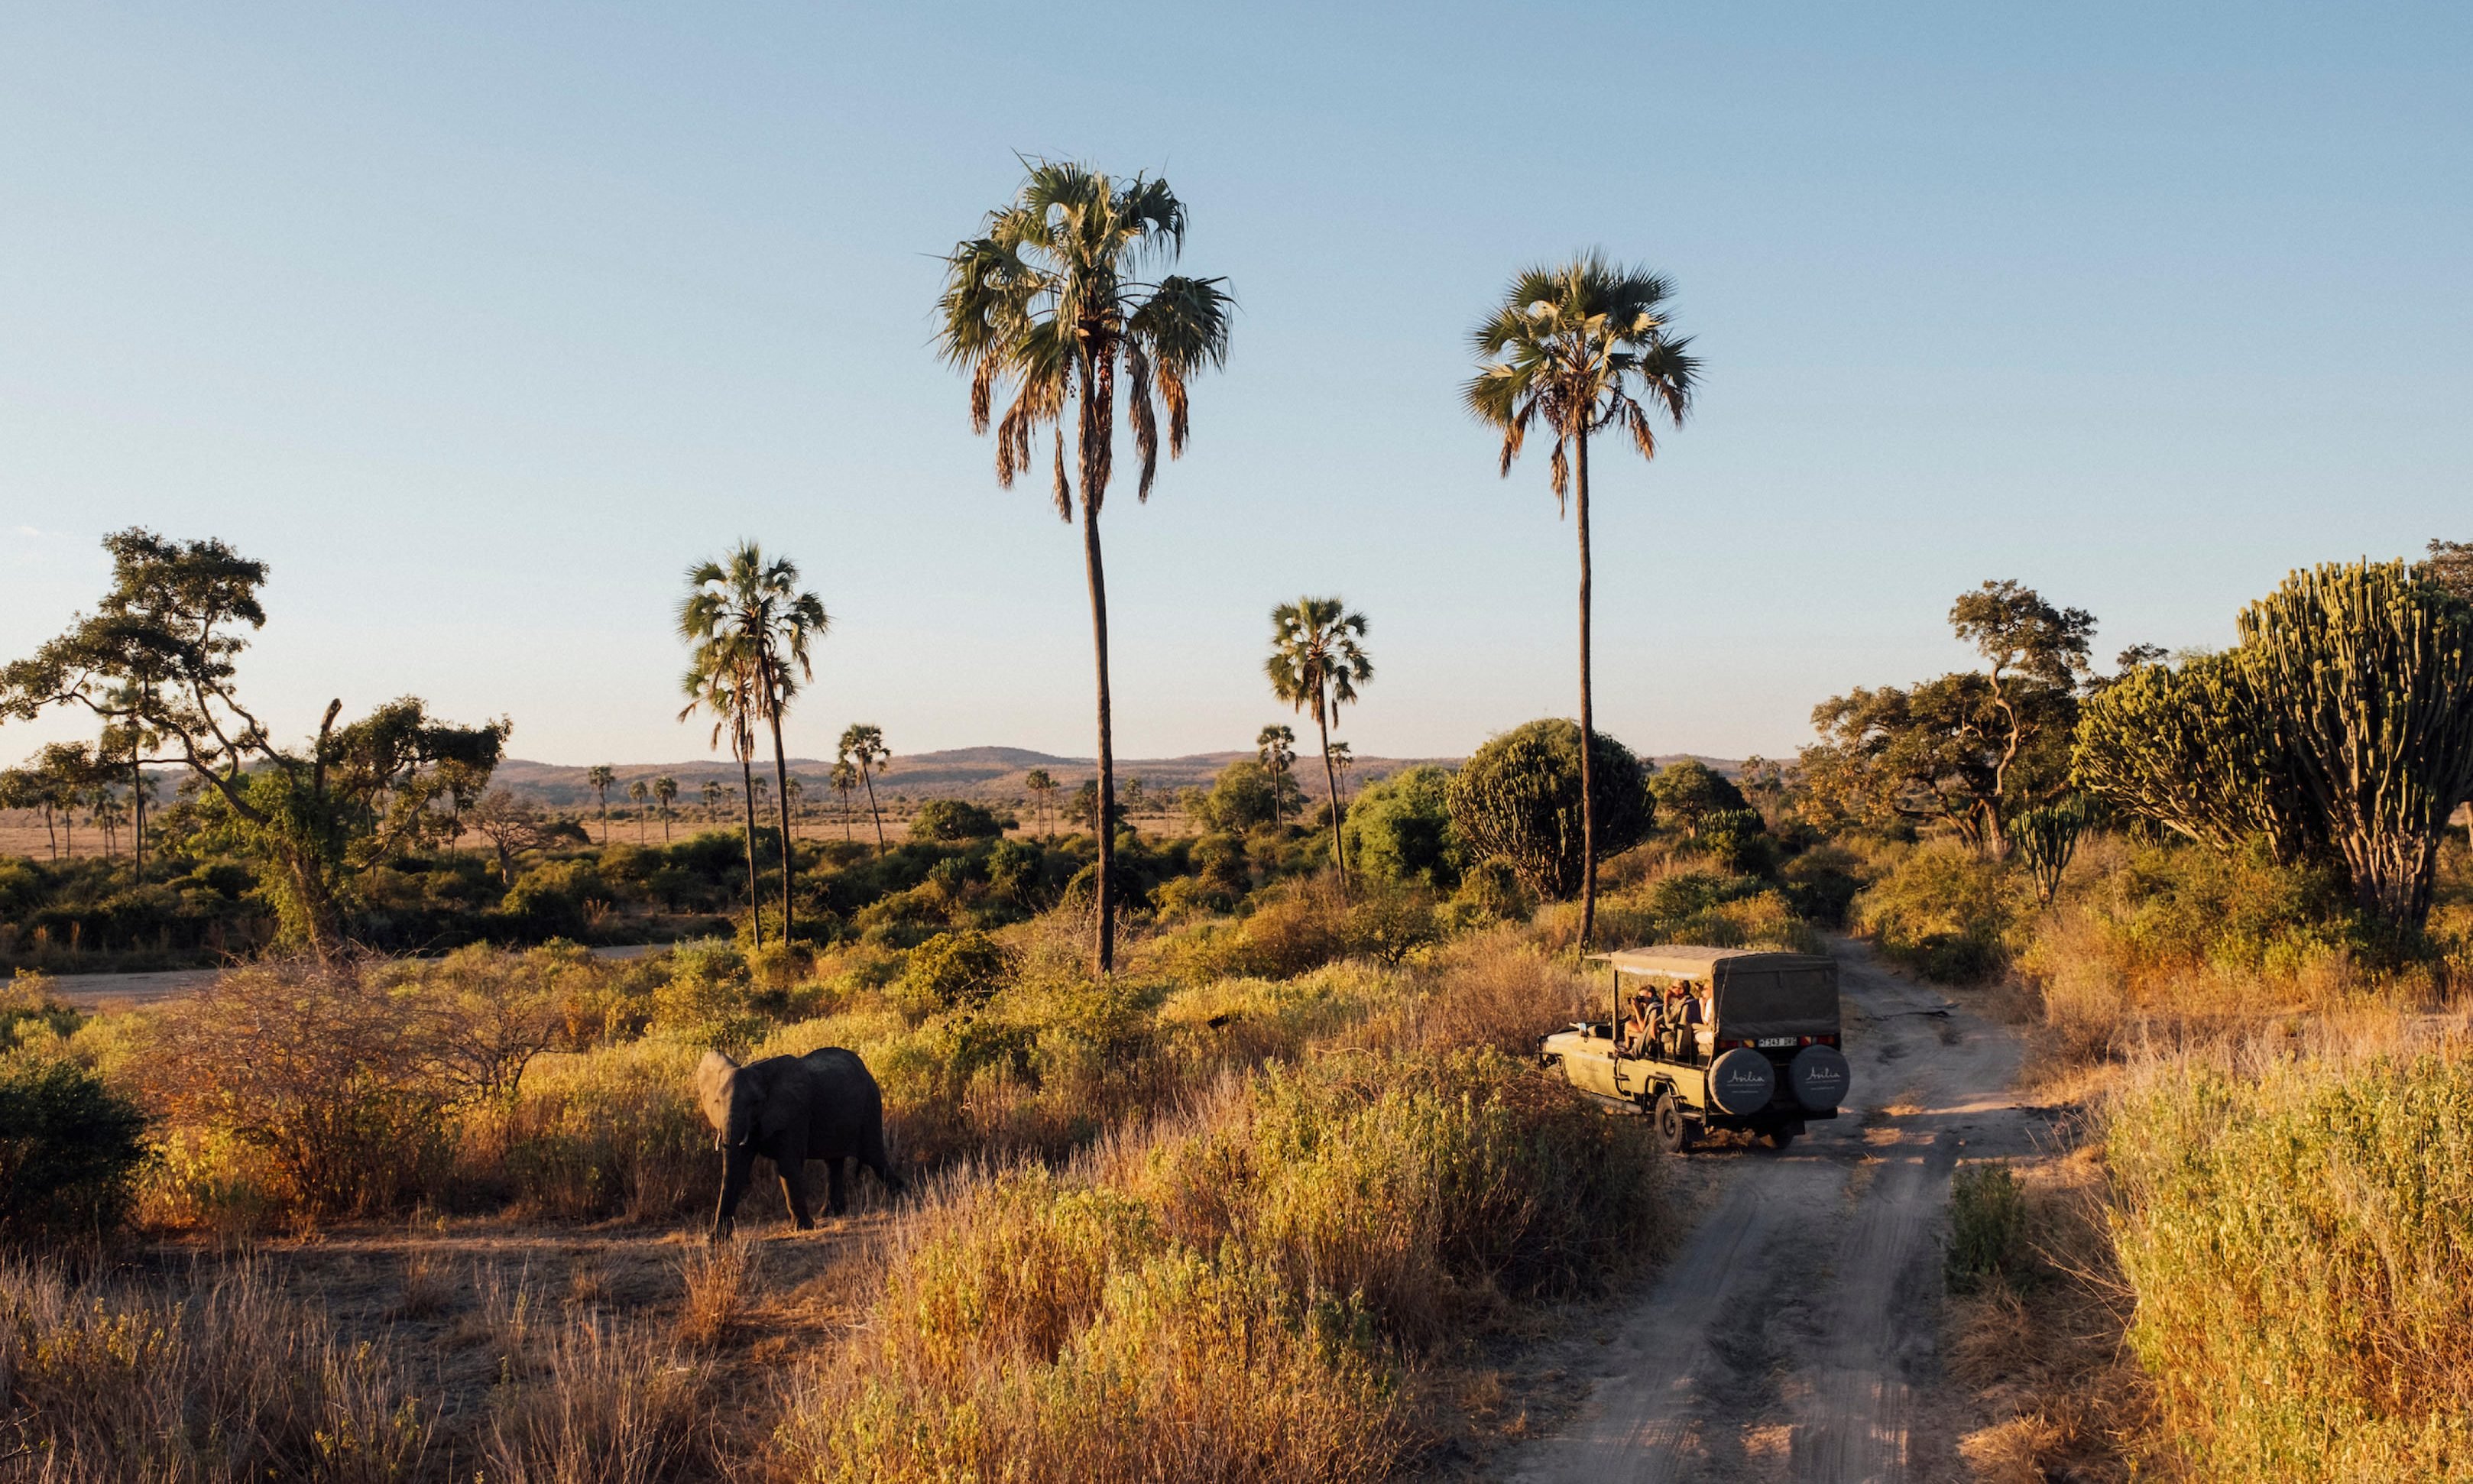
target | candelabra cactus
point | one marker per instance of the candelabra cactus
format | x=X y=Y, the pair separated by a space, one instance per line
x=2367 y=677
x=2045 y=838
x=2192 y=749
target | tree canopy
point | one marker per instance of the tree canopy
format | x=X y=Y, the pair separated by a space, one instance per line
x=1517 y=797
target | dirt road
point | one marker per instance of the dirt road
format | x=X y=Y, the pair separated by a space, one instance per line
x=1793 y=1336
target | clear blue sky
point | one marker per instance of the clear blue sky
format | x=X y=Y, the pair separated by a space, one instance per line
x=481 y=322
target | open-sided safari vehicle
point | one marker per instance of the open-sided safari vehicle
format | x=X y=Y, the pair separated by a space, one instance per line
x=1702 y=1039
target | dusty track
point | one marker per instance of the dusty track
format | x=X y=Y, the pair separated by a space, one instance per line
x=1793 y=1335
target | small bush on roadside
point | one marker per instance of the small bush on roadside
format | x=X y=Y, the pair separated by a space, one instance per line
x=1943 y=911
x=69 y=1148
x=1987 y=1224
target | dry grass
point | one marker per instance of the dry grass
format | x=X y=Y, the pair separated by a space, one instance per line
x=606 y=1405
x=717 y=1279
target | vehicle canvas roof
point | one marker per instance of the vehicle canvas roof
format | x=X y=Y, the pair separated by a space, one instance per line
x=1691 y=962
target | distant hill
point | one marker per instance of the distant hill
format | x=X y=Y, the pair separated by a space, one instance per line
x=992 y=774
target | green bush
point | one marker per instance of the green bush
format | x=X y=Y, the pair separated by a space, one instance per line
x=1400 y=829
x=1987 y=1227
x=1690 y=791
x=69 y=1148
x=953 y=970
x=954 y=819
x=1518 y=798
x=1943 y=911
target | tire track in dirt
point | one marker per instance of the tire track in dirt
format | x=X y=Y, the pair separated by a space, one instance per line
x=1792 y=1337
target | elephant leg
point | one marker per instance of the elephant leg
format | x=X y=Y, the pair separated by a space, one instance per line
x=873 y=1157
x=836 y=1197
x=792 y=1161
x=738 y=1166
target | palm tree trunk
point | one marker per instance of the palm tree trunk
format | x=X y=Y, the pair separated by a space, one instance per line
x=754 y=896
x=1331 y=780
x=782 y=786
x=867 y=771
x=1099 y=404
x=1588 y=730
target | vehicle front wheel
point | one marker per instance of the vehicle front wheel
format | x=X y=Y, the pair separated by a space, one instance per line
x=1665 y=1120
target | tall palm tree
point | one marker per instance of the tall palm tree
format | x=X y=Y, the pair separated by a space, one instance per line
x=1342 y=757
x=753 y=609
x=1580 y=348
x=712 y=793
x=665 y=790
x=636 y=792
x=845 y=777
x=1041 y=784
x=1316 y=665
x=598 y=777
x=1276 y=745
x=863 y=748
x=721 y=683
x=1046 y=307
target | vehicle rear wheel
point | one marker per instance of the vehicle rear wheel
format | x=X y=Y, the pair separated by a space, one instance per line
x=1666 y=1121
x=1779 y=1139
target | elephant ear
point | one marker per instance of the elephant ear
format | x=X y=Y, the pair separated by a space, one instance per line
x=722 y=1089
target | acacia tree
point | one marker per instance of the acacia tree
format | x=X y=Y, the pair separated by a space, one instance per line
x=1046 y=306
x=1316 y=665
x=159 y=655
x=746 y=614
x=2032 y=647
x=1581 y=349
x=1276 y=745
x=598 y=777
x=862 y=747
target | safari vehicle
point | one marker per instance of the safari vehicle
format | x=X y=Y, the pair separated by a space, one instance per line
x=1706 y=1038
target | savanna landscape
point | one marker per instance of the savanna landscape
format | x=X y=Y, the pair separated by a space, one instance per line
x=378 y=1103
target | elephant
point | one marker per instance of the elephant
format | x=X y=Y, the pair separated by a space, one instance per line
x=793 y=1109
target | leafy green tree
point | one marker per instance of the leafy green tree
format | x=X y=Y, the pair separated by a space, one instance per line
x=665 y=793
x=862 y=747
x=598 y=777
x=1041 y=784
x=1401 y=829
x=947 y=820
x=1581 y=349
x=1243 y=795
x=747 y=613
x=160 y=654
x=1276 y=745
x=1316 y=666
x=2449 y=568
x=1518 y=798
x=1046 y=307
x=1690 y=791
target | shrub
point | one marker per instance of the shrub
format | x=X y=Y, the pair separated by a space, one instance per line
x=27 y=1004
x=1942 y=911
x=68 y=1149
x=1987 y=1225
x=344 y=1101
x=1688 y=792
x=2299 y=1239
x=1492 y=892
x=954 y=819
x=953 y=970
x=709 y=997
x=1518 y=798
x=1400 y=829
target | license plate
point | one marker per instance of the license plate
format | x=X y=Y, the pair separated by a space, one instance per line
x=1774 y=1041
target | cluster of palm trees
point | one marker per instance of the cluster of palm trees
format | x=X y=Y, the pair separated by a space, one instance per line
x=1047 y=311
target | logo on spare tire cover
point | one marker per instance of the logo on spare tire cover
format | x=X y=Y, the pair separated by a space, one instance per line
x=1818 y=1076
x=1742 y=1080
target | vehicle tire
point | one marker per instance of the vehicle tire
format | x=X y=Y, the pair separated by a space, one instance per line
x=1780 y=1138
x=1666 y=1122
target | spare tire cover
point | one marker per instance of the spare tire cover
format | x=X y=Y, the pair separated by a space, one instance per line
x=1742 y=1082
x=1818 y=1076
